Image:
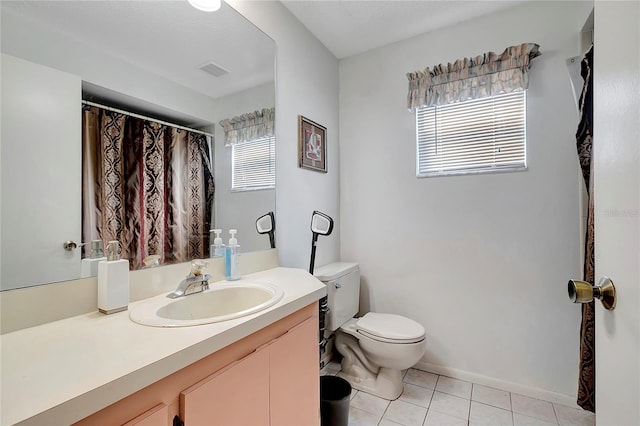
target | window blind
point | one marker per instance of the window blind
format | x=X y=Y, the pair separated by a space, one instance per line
x=480 y=135
x=253 y=164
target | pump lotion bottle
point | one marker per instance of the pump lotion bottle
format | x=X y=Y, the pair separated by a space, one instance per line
x=113 y=281
x=231 y=261
x=217 y=248
x=89 y=265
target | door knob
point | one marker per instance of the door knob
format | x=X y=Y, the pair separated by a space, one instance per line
x=583 y=292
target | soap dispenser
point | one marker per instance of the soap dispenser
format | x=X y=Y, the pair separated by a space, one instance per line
x=217 y=248
x=113 y=281
x=89 y=265
x=231 y=261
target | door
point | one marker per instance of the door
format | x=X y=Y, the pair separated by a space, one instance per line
x=616 y=156
x=41 y=154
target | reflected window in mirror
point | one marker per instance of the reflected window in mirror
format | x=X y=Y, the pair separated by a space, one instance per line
x=251 y=137
x=253 y=165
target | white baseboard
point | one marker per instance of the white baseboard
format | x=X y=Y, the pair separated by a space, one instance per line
x=532 y=392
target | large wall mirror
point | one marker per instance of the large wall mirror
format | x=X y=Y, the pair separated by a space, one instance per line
x=161 y=60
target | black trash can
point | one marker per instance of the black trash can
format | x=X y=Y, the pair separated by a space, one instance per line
x=335 y=393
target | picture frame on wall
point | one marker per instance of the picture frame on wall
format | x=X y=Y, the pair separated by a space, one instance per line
x=312 y=145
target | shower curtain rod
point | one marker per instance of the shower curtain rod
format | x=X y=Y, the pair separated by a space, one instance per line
x=132 y=114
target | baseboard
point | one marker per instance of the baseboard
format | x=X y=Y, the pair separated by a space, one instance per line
x=532 y=392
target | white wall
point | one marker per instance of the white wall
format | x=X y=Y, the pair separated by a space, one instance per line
x=307 y=84
x=482 y=261
x=240 y=209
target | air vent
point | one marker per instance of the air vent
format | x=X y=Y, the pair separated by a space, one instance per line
x=213 y=69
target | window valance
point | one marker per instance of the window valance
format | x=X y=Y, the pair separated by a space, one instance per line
x=472 y=78
x=249 y=126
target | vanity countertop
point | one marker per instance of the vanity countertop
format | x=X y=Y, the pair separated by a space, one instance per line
x=66 y=370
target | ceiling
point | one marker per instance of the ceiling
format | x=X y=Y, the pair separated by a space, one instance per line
x=350 y=27
x=168 y=38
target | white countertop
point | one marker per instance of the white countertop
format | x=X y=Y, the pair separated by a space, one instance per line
x=66 y=370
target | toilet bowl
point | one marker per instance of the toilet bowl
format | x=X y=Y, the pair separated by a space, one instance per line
x=376 y=347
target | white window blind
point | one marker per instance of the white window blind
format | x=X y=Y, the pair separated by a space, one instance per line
x=253 y=164
x=475 y=136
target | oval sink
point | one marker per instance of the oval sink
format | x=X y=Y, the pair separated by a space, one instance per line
x=222 y=302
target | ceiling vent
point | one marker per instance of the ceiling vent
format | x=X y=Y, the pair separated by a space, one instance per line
x=213 y=69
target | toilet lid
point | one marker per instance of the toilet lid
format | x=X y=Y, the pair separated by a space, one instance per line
x=390 y=327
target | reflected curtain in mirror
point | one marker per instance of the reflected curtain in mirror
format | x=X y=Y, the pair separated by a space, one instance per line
x=584 y=144
x=148 y=185
x=250 y=126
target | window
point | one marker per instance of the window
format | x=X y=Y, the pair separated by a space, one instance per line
x=253 y=164
x=475 y=136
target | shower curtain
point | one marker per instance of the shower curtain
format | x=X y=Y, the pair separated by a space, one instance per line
x=147 y=185
x=584 y=140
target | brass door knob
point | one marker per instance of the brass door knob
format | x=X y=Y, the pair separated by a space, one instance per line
x=583 y=292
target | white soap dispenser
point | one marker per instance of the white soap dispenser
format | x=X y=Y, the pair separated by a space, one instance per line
x=231 y=261
x=113 y=281
x=217 y=248
x=89 y=265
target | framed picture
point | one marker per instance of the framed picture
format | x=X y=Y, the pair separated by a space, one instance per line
x=312 y=145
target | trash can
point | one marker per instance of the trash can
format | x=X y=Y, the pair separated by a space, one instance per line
x=335 y=393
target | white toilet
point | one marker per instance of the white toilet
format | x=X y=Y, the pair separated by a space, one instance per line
x=376 y=347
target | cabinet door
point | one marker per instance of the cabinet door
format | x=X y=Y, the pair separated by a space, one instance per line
x=295 y=376
x=236 y=396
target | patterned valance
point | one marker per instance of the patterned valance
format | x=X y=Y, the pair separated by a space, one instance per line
x=250 y=126
x=472 y=78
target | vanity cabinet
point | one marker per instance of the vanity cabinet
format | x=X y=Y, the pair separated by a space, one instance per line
x=270 y=377
x=275 y=385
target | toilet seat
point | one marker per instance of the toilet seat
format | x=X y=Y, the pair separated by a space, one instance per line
x=390 y=328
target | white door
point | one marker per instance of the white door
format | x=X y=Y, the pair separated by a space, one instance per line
x=616 y=159
x=41 y=154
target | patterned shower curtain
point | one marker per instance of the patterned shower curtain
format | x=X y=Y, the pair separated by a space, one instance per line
x=147 y=185
x=584 y=140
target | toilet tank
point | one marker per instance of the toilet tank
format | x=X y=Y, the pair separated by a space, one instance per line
x=343 y=291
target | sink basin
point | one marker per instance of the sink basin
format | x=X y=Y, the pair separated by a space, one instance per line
x=222 y=302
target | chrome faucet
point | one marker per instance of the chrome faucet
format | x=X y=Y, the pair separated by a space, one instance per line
x=196 y=281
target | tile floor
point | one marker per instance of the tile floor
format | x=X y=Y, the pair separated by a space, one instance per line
x=432 y=400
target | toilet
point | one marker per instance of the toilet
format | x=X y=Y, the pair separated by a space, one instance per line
x=376 y=347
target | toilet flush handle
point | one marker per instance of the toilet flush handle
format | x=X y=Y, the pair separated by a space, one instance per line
x=337 y=285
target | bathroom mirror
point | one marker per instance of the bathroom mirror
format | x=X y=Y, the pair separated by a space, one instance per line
x=164 y=60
